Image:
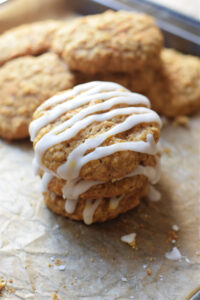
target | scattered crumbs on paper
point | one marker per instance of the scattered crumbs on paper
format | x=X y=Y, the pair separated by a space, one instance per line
x=130 y=239
x=153 y=194
x=174 y=254
x=92 y=259
x=124 y=279
x=10 y=290
x=172 y=236
x=166 y=150
x=175 y=227
x=58 y=262
x=148 y=271
x=62 y=267
x=2 y=285
x=181 y=121
x=54 y=296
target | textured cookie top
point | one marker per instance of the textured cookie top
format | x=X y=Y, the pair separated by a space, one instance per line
x=96 y=131
x=113 y=41
x=25 y=83
x=29 y=39
x=177 y=85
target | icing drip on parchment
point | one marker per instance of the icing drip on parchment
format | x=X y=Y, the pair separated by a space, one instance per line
x=111 y=97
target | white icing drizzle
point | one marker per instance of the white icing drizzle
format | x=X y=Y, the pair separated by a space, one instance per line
x=153 y=194
x=70 y=205
x=73 y=189
x=109 y=95
x=114 y=201
x=89 y=210
x=46 y=178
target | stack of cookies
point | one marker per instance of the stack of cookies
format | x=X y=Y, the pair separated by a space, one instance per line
x=96 y=150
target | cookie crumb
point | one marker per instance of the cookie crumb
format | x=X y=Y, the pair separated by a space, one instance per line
x=62 y=267
x=58 y=262
x=130 y=239
x=50 y=265
x=172 y=236
x=148 y=271
x=2 y=285
x=54 y=296
x=166 y=150
x=174 y=254
x=92 y=259
x=124 y=279
x=181 y=121
x=175 y=227
x=150 y=259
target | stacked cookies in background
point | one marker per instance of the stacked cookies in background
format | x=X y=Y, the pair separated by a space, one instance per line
x=96 y=150
x=29 y=74
x=114 y=46
x=40 y=59
x=127 y=48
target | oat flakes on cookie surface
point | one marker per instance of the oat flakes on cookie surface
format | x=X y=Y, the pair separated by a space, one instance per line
x=113 y=41
x=28 y=39
x=96 y=149
x=25 y=83
x=176 y=88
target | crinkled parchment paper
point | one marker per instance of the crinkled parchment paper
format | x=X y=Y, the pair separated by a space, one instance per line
x=44 y=253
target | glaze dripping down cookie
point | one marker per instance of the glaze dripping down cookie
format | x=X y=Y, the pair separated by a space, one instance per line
x=96 y=150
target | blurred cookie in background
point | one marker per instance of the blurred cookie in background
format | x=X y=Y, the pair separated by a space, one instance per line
x=25 y=83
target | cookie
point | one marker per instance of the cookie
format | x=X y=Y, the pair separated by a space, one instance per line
x=109 y=42
x=139 y=81
x=105 y=189
x=25 y=83
x=28 y=39
x=97 y=210
x=92 y=143
x=176 y=88
x=63 y=107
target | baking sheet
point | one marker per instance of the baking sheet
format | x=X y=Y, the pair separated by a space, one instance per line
x=46 y=255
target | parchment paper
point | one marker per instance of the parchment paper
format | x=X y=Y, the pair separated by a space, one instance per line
x=45 y=254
